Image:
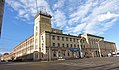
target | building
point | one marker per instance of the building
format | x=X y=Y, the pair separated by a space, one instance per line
x=5 y=57
x=25 y=49
x=48 y=43
x=1 y=13
x=97 y=45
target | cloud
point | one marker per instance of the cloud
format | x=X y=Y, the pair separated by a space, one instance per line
x=59 y=19
x=59 y=4
x=94 y=16
x=107 y=16
x=100 y=23
x=27 y=9
x=90 y=16
x=98 y=28
x=81 y=12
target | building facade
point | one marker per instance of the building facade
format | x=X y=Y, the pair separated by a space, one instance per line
x=24 y=50
x=5 y=57
x=1 y=13
x=48 y=43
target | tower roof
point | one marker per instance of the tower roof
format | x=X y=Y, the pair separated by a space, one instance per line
x=43 y=14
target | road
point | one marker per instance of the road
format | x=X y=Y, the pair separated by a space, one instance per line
x=108 y=63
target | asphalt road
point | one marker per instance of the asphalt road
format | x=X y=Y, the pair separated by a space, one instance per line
x=110 y=63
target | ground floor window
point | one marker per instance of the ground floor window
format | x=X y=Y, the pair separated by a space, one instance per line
x=68 y=53
x=54 y=53
x=42 y=55
x=63 y=52
x=36 y=55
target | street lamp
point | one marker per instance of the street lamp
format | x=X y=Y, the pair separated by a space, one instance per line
x=99 y=47
x=115 y=49
x=80 y=47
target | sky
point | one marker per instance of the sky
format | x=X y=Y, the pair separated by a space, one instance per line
x=98 y=17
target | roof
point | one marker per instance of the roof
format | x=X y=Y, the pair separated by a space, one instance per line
x=24 y=40
x=43 y=14
x=109 y=42
x=61 y=34
x=93 y=36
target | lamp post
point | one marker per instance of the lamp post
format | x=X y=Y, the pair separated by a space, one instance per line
x=80 y=48
x=115 y=49
x=49 y=48
x=99 y=47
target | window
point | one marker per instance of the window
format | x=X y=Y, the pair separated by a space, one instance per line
x=58 y=44
x=36 y=55
x=58 y=38
x=42 y=37
x=67 y=45
x=59 y=51
x=66 y=38
x=68 y=53
x=74 y=46
x=36 y=28
x=54 y=54
x=71 y=45
x=77 y=40
x=42 y=55
x=33 y=40
x=74 y=39
x=81 y=46
x=84 y=46
x=70 y=39
x=53 y=44
x=36 y=33
x=81 y=41
x=78 y=46
x=53 y=37
x=62 y=38
x=63 y=53
x=62 y=45
x=42 y=44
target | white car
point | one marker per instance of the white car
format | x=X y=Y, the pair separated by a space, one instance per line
x=61 y=58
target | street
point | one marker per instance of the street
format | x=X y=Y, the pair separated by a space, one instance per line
x=105 y=63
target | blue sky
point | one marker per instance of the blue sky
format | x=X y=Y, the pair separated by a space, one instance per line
x=99 y=17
